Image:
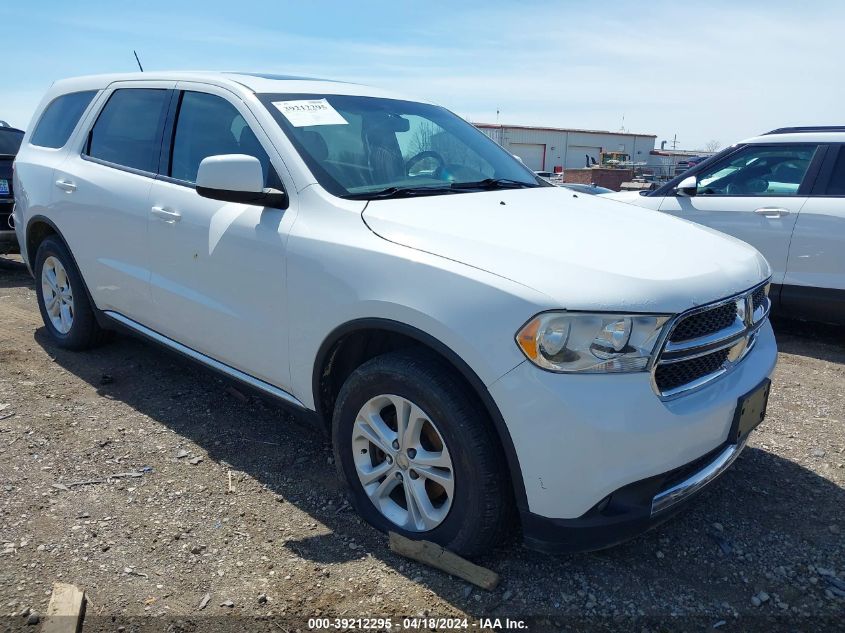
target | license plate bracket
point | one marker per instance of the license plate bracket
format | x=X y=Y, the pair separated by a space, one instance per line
x=750 y=411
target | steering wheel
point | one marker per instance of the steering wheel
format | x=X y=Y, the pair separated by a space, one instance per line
x=752 y=186
x=441 y=163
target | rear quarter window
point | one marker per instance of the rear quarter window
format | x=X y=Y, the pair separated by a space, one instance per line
x=60 y=118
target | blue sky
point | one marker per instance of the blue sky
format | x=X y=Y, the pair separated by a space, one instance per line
x=716 y=70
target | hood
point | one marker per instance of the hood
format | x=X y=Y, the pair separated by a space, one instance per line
x=584 y=252
x=623 y=196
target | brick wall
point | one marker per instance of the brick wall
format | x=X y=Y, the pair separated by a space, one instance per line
x=610 y=178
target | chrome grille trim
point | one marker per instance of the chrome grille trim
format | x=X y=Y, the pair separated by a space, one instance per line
x=738 y=338
x=704 y=344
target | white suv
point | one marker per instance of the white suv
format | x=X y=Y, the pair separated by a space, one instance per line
x=477 y=342
x=783 y=193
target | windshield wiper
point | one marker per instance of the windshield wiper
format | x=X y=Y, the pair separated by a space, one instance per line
x=400 y=192
x=434 y=190
x=494 y=183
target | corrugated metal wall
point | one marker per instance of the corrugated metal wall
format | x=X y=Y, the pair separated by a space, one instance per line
x=569 y=148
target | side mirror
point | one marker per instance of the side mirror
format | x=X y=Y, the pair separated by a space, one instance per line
x=687 y=187
x=237 y=178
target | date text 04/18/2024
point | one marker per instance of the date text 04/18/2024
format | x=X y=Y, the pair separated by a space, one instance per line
x=416 y=623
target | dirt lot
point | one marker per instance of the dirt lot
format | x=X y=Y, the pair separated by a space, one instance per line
x=762 y=549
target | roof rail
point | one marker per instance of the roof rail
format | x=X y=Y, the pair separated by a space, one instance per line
x=807 y=128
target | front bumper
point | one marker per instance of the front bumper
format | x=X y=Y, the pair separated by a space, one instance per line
x=631 y=510
x=598 y=452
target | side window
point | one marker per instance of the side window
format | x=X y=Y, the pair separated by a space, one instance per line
x=836 y=183
x=208 y=125
x=59 y=118
x=128 y=130
x=756 y=170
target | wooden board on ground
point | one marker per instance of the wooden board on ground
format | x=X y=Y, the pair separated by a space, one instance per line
x=441 y=558
x=65 y=611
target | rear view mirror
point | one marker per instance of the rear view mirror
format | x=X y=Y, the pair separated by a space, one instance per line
x=687 y=187
x=237 y=178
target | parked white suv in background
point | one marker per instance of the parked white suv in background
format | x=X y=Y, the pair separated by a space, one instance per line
x=478 y=342
x=783 y=193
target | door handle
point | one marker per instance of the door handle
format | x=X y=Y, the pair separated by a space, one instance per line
x=66 y=185
x=772 y=212
x=166 y=214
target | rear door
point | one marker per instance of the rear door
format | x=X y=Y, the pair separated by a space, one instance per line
x=104 y=188
x=754 y=194
x=814 y=285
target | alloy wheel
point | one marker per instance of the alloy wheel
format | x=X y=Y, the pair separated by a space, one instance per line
x=57 y=294
x=403 y=463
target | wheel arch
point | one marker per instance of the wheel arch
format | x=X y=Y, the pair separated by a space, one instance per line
x=37 y=229
x=40 y=227
x=334 y=342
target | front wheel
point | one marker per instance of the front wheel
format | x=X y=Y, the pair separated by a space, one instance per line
x=419 y=455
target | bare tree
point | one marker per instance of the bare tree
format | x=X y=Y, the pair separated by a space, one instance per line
x=429 y=137
x=423 y=139
x=712 y=146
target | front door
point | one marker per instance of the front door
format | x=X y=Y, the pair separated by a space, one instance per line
x=814 y=286
x=218 y=268
x=753 y=194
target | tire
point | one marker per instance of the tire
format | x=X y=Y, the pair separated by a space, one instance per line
x=82 y=330
x=479 y=512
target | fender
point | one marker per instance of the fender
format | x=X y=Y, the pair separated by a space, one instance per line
x=102 y=320
x=444 y=350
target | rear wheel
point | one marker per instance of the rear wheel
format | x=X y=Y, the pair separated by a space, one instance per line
x=62 y=298
x=419 y=455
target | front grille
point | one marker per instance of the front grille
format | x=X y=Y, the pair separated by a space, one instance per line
x=758 y=297
x=704 y=323
x=708 y=341
x=674 y=375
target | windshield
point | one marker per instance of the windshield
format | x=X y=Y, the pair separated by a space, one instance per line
x=369 y=147
x=10 y=141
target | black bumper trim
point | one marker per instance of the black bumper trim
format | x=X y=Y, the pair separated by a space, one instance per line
x=620 y=516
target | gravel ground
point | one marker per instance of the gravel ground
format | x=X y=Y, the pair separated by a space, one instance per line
x=238 y=501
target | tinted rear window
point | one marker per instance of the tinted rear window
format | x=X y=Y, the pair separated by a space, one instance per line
x=836 y=184
x=10 y=141
x=59 y=119
x=128 y=130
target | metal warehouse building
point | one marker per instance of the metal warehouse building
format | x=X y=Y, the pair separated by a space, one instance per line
x=547 y=148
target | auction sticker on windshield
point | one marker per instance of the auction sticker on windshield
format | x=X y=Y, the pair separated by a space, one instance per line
x=306 y=112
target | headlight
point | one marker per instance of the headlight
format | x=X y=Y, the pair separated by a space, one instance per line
x=590 y=343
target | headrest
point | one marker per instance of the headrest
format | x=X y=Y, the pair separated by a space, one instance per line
x=315 y=144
